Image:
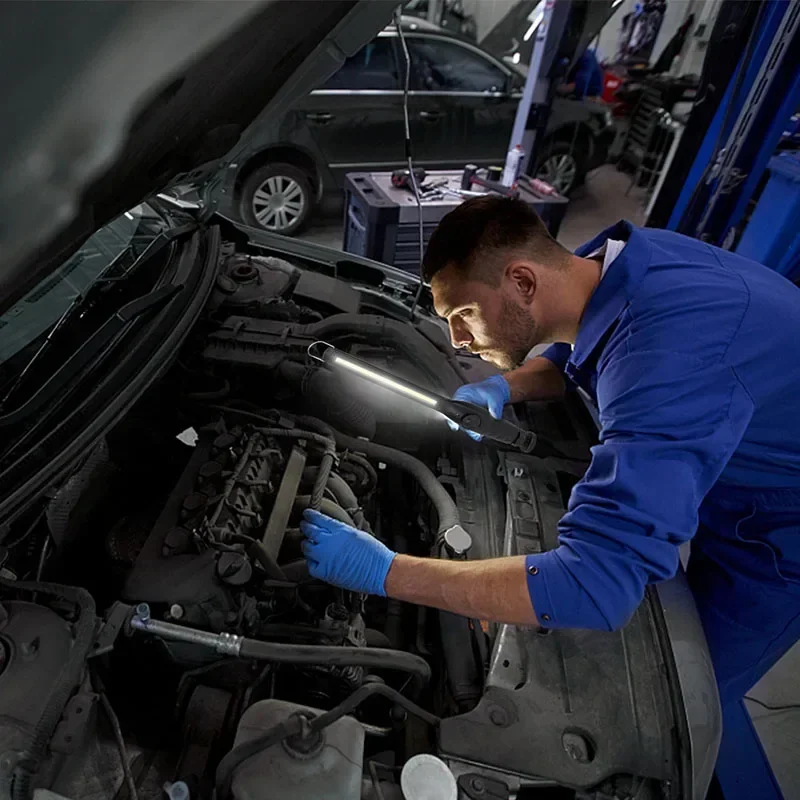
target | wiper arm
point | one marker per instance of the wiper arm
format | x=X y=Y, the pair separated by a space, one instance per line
x=80 y=300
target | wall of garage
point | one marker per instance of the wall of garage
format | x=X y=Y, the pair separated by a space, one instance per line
x=488 y=12
x=677 y=11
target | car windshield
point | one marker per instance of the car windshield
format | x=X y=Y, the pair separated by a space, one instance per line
x=117 y=243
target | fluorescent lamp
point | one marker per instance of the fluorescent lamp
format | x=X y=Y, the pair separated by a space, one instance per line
x=616 y=3
x=382 y=380
x=515 y=58
x=536 y=21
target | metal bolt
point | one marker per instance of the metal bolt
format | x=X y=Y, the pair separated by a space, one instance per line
x=478 y=785
x=498 y=716
x=143 y=612
x=577 y=747
x=176 y=611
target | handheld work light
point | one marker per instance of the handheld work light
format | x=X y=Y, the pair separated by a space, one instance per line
x=465 y=415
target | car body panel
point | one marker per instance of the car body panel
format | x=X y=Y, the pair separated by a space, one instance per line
x=347 y=129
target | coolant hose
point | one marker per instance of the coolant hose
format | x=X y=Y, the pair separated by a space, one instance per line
x=343 y=494
x=445 y=506
x=327 y=507
x=68 y=679
x=325 y=394
x=371 y=657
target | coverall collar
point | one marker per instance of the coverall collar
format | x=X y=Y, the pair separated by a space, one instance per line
x=616 y=288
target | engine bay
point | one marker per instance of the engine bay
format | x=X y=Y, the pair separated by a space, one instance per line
x=199 y=647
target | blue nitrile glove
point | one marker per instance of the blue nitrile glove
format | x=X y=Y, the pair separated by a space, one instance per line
x=343 y=556
x=493 y=393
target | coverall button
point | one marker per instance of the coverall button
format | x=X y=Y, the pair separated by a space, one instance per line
x=533 y=570
x=545 y=617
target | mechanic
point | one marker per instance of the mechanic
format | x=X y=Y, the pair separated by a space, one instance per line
x=692 y=355
x=585 y=79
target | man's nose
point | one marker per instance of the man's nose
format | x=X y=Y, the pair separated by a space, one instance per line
x=459 y=334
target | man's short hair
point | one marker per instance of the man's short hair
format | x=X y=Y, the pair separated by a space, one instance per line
x=478 y=236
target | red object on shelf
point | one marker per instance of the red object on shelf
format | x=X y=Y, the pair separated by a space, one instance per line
x=611 y=82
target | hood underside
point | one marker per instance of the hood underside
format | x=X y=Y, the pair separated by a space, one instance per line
x=133 y=96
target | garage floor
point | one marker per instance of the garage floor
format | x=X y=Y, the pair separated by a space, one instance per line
x=600 y=203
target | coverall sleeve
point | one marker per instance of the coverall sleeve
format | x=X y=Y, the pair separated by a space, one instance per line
x=558 y=353
x=670 y=423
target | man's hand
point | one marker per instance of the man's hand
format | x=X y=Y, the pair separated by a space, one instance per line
x=343 y=556
x=493 y=394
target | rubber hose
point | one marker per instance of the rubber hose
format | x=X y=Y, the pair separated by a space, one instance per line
x=373 y=657
x=338 y=485
x=321 y=481
x=65 y=684
x=445 y=506
x=293 y=726
x=339 y=405
x=343 y=494
x=356 y=462
x=327 y=507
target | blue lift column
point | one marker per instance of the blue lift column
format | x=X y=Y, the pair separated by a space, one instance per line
x=749 y=122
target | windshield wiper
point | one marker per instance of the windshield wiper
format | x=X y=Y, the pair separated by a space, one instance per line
x=80 y=301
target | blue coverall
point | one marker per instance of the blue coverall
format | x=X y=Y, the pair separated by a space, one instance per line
x=693 y=356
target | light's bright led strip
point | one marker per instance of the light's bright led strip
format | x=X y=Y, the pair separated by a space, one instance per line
x=395 y=386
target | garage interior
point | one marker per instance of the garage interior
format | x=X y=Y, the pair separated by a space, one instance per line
x=215 y=330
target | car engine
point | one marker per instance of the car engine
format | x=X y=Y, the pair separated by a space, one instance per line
x=199 y=659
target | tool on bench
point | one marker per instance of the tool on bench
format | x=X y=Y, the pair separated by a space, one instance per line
x=471 y=177
x=466 y=415
x=401 y=178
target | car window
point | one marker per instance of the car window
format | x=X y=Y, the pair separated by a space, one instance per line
x=450 y=67
x=372 y=67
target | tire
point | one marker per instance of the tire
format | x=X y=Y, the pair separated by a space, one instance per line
x=278 y=198
x=561 y=167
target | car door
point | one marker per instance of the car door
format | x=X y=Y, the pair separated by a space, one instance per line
x=356 y=118
x=462 y=108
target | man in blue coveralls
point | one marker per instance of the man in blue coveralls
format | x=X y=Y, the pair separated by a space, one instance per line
x=693 y=356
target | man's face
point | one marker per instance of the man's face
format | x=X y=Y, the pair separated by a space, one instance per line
x=494 y=322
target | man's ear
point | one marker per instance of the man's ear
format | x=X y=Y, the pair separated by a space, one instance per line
x=522 y=278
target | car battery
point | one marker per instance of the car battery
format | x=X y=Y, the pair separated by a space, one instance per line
x=382 y=221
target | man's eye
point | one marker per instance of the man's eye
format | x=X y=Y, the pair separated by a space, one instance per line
x=466 y=312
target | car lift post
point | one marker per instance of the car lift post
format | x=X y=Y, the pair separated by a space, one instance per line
x=547 y=20
x=769 y=93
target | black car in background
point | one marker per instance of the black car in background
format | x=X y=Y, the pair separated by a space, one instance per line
x=462 y=106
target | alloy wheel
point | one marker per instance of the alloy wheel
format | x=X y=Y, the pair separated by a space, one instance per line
x=560 y=171
x=278 y=203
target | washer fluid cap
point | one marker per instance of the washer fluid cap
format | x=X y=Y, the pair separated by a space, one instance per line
x=426 y=777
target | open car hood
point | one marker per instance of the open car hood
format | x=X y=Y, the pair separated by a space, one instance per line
x=133 y=96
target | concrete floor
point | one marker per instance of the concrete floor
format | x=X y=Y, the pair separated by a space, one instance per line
x=598 y=204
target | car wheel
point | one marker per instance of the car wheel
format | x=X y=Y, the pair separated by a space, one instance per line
x=561 y=167
x=277 y=197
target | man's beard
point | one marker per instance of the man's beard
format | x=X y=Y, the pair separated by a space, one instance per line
x=518 y=334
